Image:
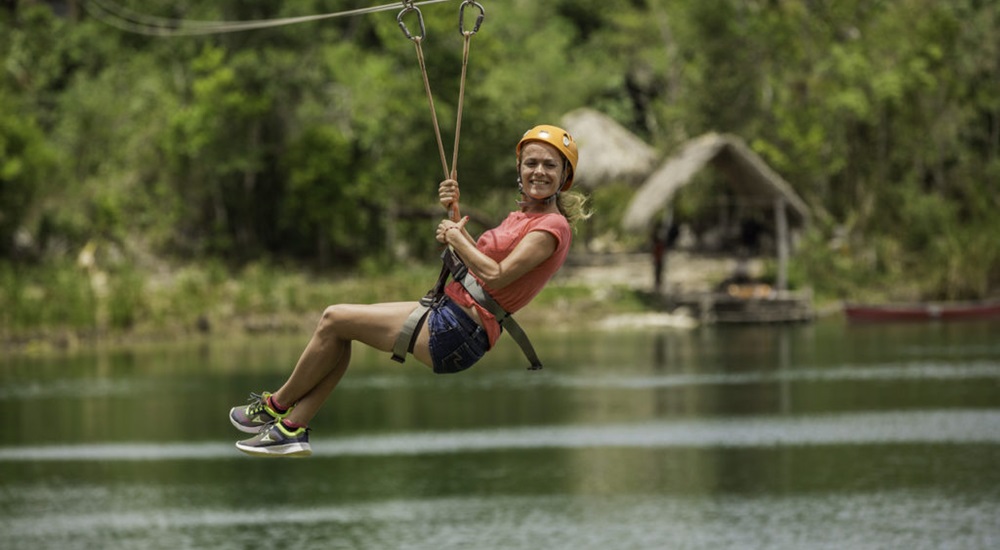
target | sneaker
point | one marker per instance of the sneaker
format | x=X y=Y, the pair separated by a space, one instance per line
x=277 y=440
x=253 y=418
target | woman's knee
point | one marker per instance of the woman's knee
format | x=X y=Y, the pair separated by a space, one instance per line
x=332 y=321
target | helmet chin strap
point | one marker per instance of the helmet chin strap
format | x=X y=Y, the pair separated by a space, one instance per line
x=528 y=201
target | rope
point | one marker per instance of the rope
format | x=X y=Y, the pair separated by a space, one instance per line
x=127 y=20
x=430 y=100
x=417 y=40
x=408 y=7
x=467 y=35
x=461 y=107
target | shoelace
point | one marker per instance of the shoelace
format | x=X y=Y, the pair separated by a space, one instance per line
x=284 y=432
x=256 y=403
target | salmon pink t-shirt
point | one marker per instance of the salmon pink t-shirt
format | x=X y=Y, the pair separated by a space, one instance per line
x=498 y=243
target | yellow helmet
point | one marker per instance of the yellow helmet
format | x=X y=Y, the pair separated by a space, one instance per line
x=558 y=138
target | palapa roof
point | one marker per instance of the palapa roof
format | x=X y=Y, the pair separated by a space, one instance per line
x=608 y=151
x=748 y=174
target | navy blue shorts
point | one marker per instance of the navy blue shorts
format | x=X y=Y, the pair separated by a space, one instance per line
x=456 y=342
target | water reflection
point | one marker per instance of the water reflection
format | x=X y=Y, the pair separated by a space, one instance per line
x=939 y=427
x=823 y=436
x=642 y=521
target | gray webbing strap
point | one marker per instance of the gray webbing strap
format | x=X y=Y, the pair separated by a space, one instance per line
x=453 y=265
x=480 y=295
x=408 y=334
x=411 y=327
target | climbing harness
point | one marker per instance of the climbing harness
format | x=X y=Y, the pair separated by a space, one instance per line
x=452 y=265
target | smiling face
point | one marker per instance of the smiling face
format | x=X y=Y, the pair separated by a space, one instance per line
x=541 y=170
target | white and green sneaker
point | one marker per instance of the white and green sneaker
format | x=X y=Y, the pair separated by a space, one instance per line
x=255 y=416
x=277 y=440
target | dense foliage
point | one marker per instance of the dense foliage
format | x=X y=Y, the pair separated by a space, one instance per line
x=312 y=143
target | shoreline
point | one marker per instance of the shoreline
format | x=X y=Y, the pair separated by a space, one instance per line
x=608 y=291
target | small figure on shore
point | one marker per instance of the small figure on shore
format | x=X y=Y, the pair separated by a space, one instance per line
x=663 y=237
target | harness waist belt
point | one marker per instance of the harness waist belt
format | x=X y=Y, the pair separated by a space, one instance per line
x=454 y=266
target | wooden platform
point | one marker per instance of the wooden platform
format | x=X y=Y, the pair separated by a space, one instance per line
x=721 y=307
x=691 y=284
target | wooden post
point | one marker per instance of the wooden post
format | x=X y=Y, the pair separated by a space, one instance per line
x=781 y=225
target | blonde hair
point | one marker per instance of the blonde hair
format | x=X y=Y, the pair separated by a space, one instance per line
x=573 y=206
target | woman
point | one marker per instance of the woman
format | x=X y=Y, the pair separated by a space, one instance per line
x=512 y=262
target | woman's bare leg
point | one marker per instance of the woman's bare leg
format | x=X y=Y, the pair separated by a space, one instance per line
x=327 y=356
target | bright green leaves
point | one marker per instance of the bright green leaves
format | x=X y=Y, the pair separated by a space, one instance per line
x=315 y=141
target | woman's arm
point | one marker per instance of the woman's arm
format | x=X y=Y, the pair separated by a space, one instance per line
x=534 y=248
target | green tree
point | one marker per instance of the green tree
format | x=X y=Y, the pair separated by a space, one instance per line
x=314 y=143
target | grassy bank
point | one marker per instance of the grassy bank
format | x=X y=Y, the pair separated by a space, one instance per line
x=68 y=306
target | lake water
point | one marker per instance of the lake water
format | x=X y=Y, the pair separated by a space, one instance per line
x=826 y=435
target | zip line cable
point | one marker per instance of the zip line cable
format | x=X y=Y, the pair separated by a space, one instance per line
x=131 y=21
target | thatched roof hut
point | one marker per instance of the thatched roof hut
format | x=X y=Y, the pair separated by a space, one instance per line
x=608 y=151
x=750 y=179
x=749 y=176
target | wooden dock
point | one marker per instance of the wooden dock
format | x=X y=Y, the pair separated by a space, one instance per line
x=690 y=287
x=724 y=307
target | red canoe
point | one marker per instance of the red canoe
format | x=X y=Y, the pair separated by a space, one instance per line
x=931 y=311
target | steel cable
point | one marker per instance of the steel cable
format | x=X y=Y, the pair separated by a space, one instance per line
x=131 y=21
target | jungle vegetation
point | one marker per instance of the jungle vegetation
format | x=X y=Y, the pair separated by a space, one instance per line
x=310 y=147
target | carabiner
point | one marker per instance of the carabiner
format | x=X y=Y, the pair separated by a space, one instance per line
x=479 y=18
x=408 y=7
